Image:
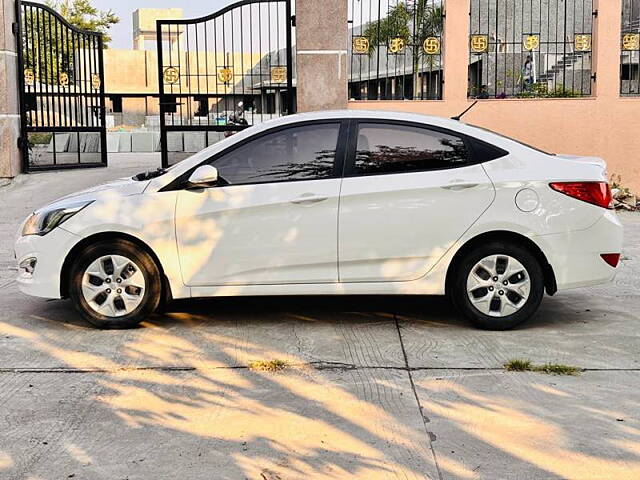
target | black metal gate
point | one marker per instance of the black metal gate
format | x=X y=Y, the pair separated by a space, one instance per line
x=61 y=83
x=530 y=48
x=395 y=52
x=222 y=72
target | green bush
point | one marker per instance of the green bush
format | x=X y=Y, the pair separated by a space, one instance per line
x=40 y=138
x=540 y=90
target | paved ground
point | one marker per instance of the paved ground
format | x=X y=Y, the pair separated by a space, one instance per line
x=380 y=388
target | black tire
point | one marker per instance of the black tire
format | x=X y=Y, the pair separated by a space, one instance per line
x=460 y=298
x=150 y=297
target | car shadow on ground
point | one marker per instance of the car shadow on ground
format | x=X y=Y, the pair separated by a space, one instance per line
x=426 y=311
x=434 y=310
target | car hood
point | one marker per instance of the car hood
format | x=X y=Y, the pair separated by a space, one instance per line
x=122 y=187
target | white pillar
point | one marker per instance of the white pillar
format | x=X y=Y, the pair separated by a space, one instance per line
x=321 y=54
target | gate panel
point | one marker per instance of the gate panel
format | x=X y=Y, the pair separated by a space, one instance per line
x=220 y=73
x=61 y=82
x=530 y=48
x=395 y=49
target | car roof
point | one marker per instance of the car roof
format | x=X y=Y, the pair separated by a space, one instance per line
x=367 y=114
x=429 y=120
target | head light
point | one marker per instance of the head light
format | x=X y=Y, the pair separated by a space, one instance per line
x=46 y=219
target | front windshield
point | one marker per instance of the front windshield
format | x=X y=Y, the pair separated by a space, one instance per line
x=509 y=138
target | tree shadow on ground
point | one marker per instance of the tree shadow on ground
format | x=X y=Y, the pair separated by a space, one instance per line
x=175 y=398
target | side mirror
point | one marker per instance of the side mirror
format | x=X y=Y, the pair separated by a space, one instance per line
x=204 y=176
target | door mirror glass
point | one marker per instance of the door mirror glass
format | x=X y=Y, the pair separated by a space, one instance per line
x=203 y=176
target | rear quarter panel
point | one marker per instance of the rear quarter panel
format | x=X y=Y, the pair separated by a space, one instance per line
x=555 y=212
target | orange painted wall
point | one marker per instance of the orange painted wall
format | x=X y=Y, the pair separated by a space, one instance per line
x=605 y=125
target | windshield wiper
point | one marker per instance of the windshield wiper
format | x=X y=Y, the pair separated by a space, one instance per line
x=148 y=175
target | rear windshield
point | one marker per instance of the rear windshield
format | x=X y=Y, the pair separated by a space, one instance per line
x=509 y=138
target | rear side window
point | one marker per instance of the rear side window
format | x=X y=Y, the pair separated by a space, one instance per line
x=483 y=152
x=297 y=153
x=385 y=148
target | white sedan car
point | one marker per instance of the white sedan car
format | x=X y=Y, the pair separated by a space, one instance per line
x=344 y=202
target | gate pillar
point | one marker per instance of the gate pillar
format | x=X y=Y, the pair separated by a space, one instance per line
x=9 y=110
x=321 y=56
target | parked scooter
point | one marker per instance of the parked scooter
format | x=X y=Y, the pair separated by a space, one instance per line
x=236 y=118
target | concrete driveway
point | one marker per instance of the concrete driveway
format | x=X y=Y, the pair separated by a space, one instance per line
x=376 y=388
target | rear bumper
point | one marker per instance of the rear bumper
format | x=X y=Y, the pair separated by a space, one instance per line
x=50 y=252
x=575 y=256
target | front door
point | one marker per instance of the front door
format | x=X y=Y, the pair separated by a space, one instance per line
x=407 y=196
x=272 y=219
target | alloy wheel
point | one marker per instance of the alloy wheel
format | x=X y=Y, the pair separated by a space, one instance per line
x=498 y=285
x=113 y=285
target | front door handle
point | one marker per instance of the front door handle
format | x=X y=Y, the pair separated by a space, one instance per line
x=459 y=186
x=308 y=199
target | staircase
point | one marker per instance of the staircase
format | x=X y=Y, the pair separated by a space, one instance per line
x=567 y=61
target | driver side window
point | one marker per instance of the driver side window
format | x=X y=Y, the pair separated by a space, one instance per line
x=298 y=153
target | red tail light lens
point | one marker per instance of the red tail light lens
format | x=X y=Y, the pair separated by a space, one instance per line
x=597 y=193
x=611 y=258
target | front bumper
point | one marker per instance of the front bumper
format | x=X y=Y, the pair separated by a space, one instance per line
x=575 y=256
x=50 y=252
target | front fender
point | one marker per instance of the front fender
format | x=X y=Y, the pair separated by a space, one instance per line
x=150 y=218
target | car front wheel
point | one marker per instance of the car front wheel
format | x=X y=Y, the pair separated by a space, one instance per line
x=115 y=284
x=498 y=285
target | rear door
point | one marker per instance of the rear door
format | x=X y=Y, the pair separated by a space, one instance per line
x=408 y=194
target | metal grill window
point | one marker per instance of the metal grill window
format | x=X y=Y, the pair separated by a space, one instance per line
x=395 y=49
x=630 y=48
x=530 y=48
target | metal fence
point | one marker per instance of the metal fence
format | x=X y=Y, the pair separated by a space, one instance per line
x=61 y=91
x=630 y=49
x=221 y=72
x=530 y=48
x=395 y=49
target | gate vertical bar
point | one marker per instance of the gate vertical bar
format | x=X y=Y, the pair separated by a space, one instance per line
x=291 y=107
x=163 y=132
x=23 y=140
x=103 y=108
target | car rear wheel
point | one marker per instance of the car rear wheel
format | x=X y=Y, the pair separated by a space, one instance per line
x=115 y=284
x=498 y=285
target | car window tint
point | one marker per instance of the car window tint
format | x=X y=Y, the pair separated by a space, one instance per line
x=484 y=152
x=297 y=153
x=384 y=148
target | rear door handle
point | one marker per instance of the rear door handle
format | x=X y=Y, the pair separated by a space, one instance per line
x=309 y=199
x=459 y=186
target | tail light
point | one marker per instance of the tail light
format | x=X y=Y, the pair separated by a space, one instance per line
x=611 y=258
x=597 y=193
